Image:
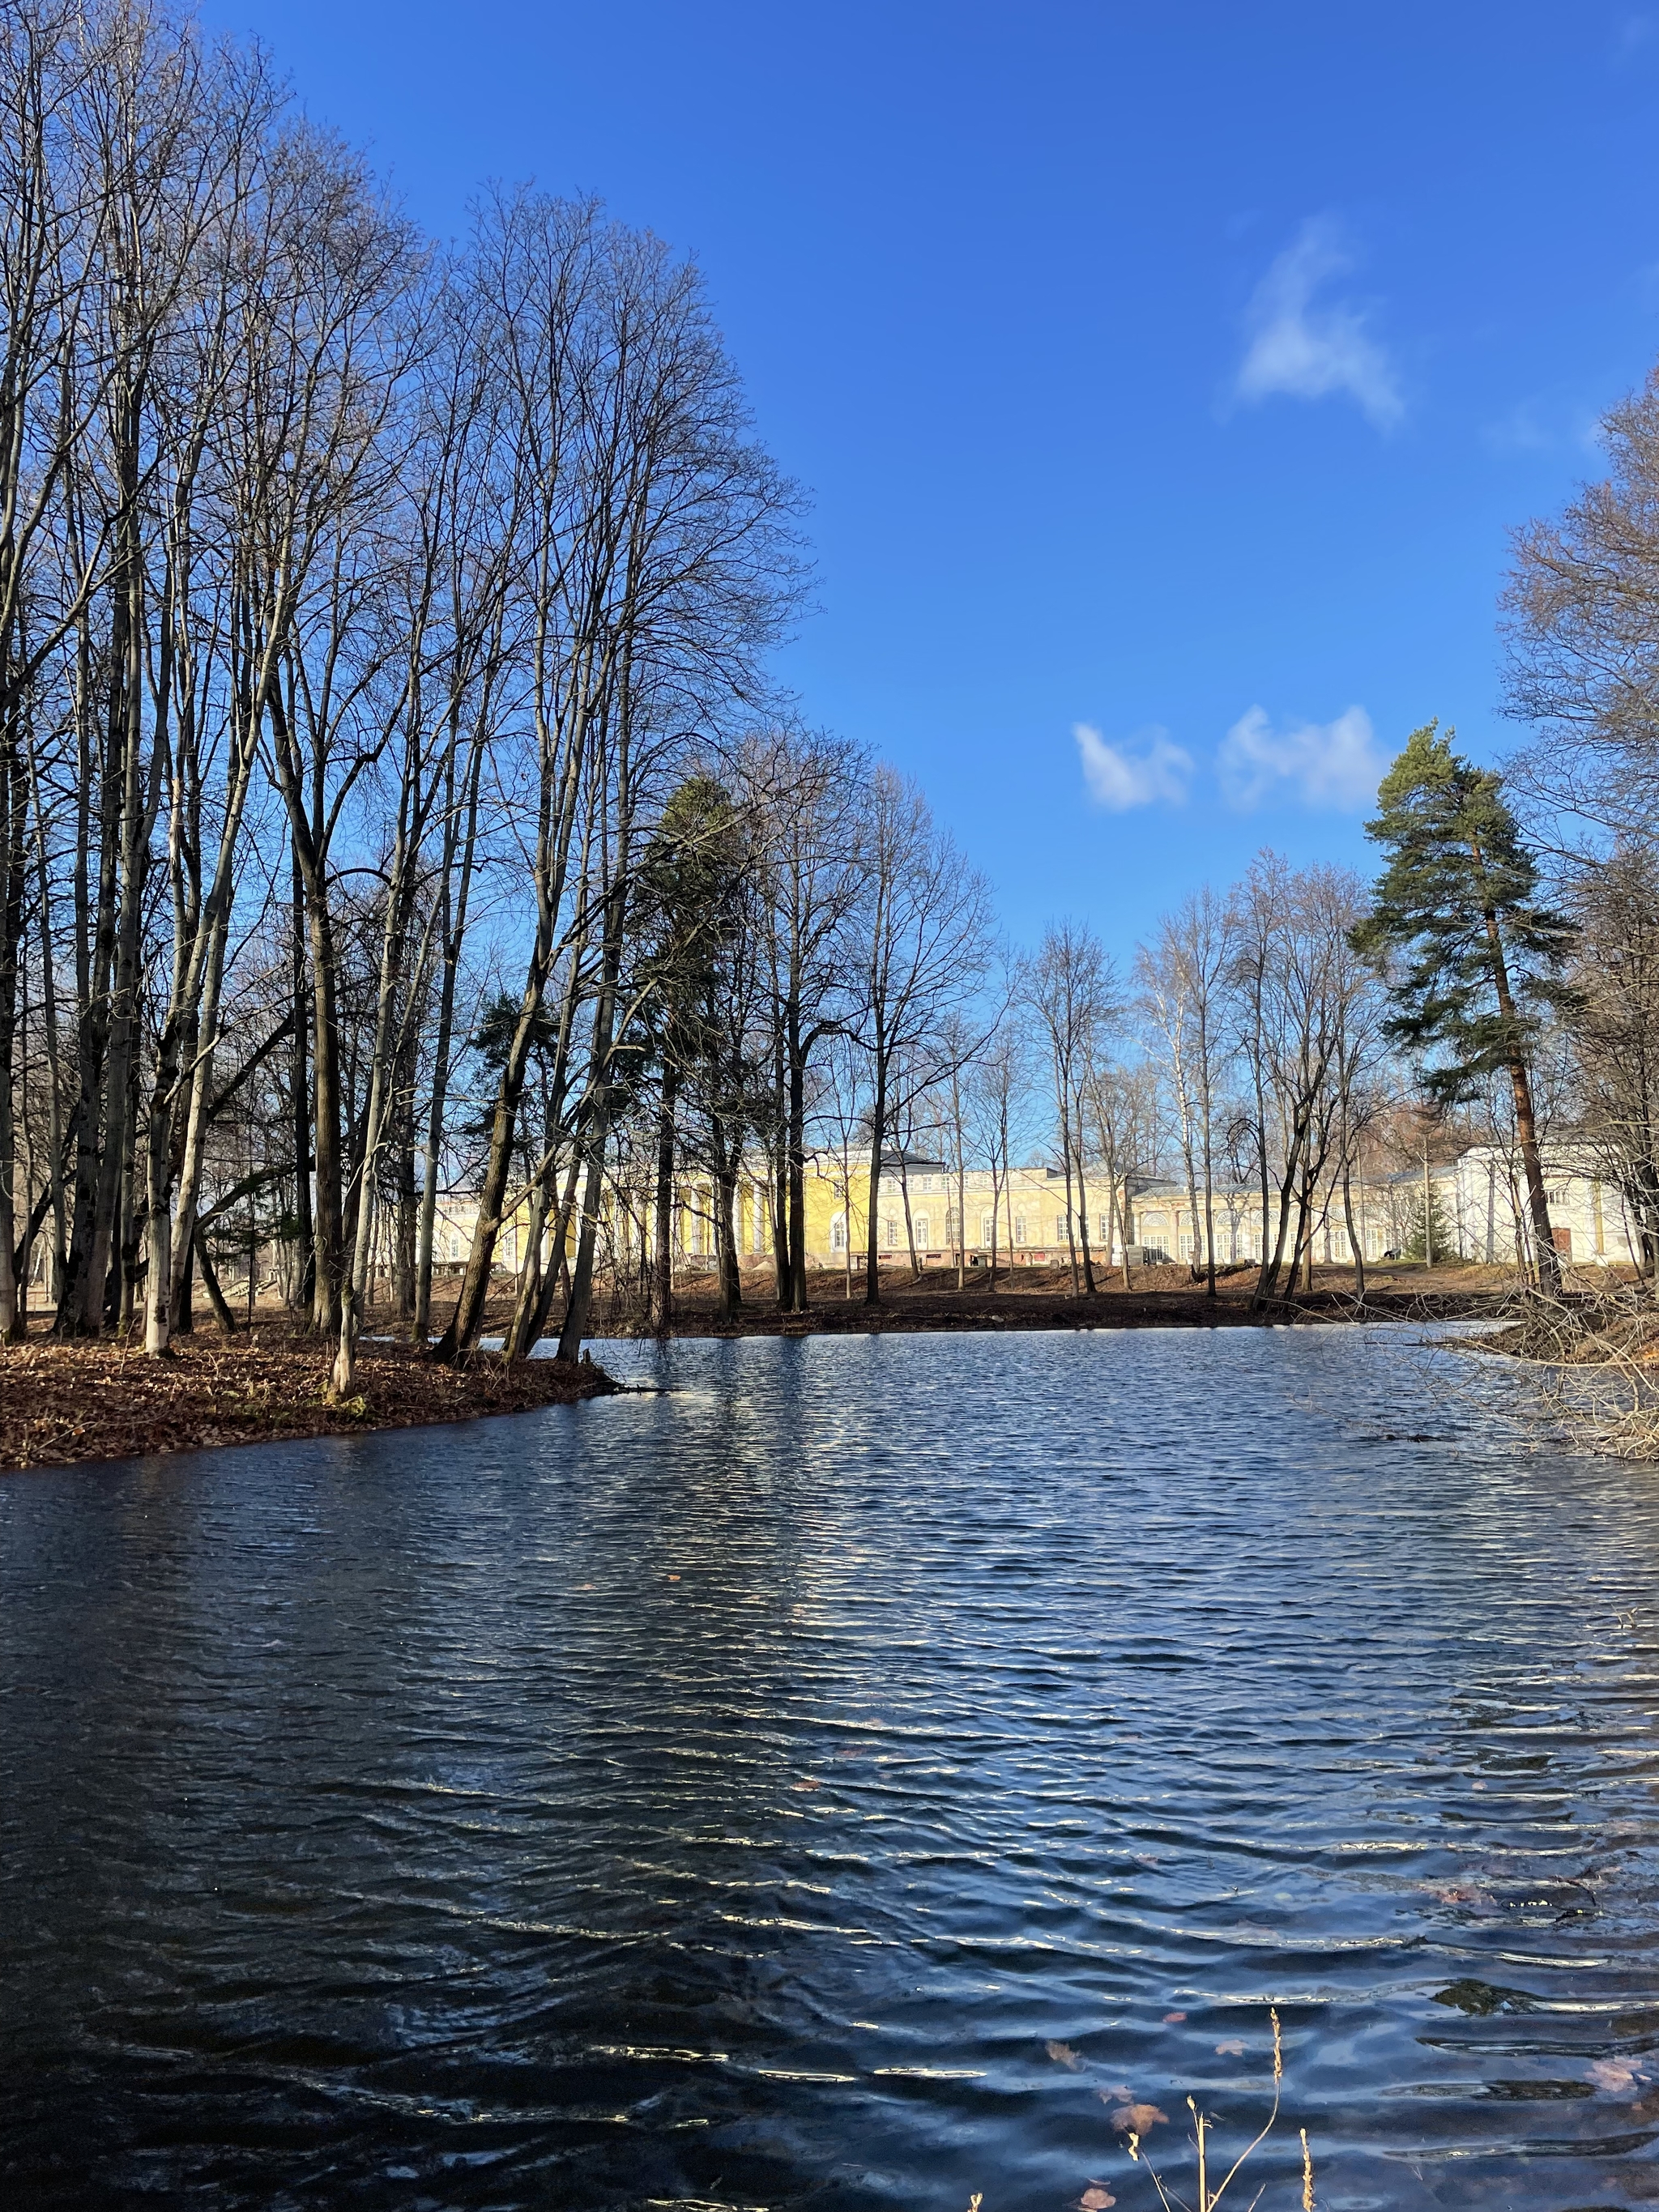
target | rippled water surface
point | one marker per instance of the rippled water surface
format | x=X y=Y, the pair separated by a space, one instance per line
x=844 y=1779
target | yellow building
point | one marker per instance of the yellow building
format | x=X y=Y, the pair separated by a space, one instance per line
x=1022 y=1218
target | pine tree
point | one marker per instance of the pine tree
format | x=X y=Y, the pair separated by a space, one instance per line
x=1417 y=1243
x=688 y=913
x=1472 y=960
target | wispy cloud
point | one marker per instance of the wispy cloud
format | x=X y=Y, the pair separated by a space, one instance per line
x=1307 y=350
x=1119 y=779
x=1543 y=424
x=1522 y=430
x=1326 y=764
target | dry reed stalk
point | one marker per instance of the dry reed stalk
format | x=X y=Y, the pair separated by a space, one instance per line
x=1208 y=2199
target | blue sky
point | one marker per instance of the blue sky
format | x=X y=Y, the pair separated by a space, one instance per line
x=1170 y=373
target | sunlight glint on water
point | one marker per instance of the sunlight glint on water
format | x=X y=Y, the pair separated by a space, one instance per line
x=731 y=1795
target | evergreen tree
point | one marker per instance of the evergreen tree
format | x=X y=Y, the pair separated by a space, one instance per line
x=1472 y=960
x=688 y=910
x=1416 y=1245
x=490 y=1042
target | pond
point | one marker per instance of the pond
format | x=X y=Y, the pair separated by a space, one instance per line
x=847 y=1778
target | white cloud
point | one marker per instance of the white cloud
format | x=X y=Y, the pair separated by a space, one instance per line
x=1308 y=351
x=1119 y=780
x=1328 y=765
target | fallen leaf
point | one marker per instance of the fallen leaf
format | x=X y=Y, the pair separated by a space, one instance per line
x=1614 y=2074
x=1137 y=2119
x=1119 y=2094
x=810 y=1784
x=1096 y=2200
x=673 y=1578
x=1063 y=2055
x=1170 y=2018
x=1230 y=2050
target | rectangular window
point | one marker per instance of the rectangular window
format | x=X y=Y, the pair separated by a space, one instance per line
x=890 y=1233
x=987 y=1224
x=1060 y=1229
x=1019 y=1228
x=838 y=1235
x=924 y=1228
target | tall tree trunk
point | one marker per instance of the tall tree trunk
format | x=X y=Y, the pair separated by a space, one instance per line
x=14 y=1297
x=1083 y=1203
x=872 y=1223
x=796 y=1167
x=1065 y=1168
x=729 y=1285
x=582 y=1280
x=1356 y=1242
x=1526 y=1125
x=300 y=1101
x=662 y=1257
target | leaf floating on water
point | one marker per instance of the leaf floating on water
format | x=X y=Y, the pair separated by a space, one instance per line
x=811 y=1783
x=1171 y=2018
x=1614 y=2074
x=1063 y=2055
x=1232 y=2049
x=1096 y=2199
x=1137 y=2119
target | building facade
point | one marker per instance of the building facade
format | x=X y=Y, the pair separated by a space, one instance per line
x=1023 y=1219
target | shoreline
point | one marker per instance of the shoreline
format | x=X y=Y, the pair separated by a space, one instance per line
x=69 y=1405
x=999 y=1313
x=100 y=1399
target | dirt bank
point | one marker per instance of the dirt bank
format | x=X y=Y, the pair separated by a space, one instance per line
x=1037 y=1299
x=63 y=1402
